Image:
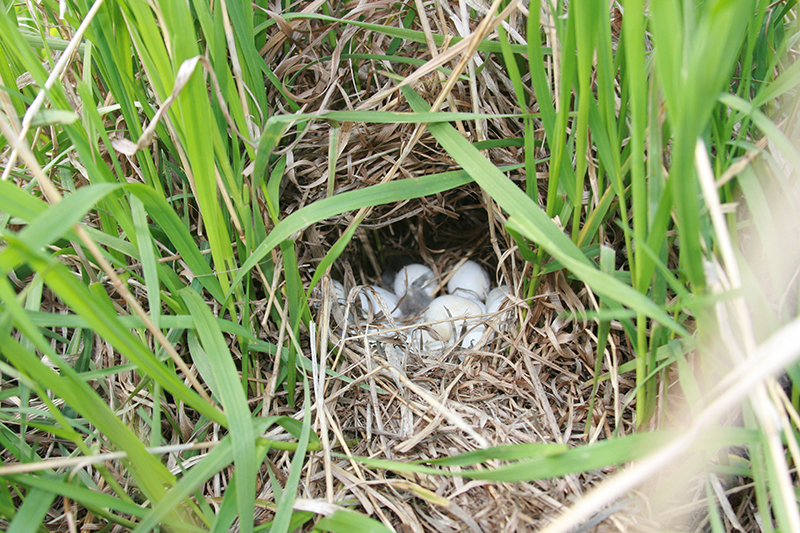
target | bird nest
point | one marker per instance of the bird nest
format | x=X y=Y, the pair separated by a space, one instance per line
x=532 y=381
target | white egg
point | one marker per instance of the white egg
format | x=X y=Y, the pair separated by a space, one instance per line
x=473 y=337
x=381 y=326
x=496 y=298
x=374 y=299
x=414 y=276
x=449 y=313
x=341 y=297
x=426 y=340
x=469 y=281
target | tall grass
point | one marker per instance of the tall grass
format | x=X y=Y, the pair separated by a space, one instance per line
x=133 y=166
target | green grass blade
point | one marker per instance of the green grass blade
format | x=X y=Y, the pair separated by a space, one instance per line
x=214 y=461
x=574 y=460
x=343 y=521
x=527 y=218
x=233 y=401
x=96 y=501
x=93 y=309
x=31 y=513
x=179 y=235
x=283 y=509
x=81 y=397
x=147 y=256
x=349 y=201
x=789 y=151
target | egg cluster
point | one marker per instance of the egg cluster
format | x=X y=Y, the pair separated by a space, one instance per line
x=441 y=322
